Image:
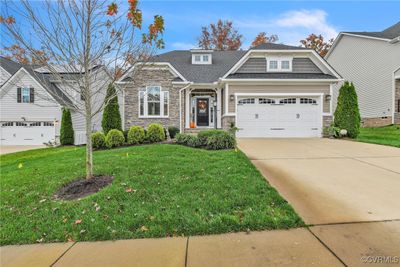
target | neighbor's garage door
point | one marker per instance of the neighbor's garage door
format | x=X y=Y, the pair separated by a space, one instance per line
x=27 y=133
x=279 y=117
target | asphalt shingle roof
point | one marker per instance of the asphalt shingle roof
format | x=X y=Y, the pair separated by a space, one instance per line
x=9 y=65
x=273 y=46
x=280 y=75
x=389 y=33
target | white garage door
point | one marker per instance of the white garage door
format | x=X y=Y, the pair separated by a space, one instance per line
x=279 y=117
x=27 y=133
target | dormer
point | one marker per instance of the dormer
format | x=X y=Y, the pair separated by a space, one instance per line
x=279 y=63
x=201 y=56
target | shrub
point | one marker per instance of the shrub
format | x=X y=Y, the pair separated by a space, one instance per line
x=98 y=140
x=188 y=140
x=114 y=138
x=204 y=135
x=67 y=130
x=173 y=131
x=221 y=140
x=136 y=135
x=347 y=114
x=155 y=133
x=111 y=116
x=331 y=131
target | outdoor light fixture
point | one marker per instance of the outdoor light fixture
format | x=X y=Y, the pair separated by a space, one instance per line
x=328 y=97
x=231 y=97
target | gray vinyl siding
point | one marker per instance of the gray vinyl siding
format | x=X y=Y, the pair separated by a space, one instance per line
x=44 y=108
x=259 y=65
x=369 y=64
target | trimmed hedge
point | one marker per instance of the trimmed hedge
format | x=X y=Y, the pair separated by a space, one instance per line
x=173 y=131
x=347 y=114
x=155 y=133
x=212 y=139
x=67 y=130
x=98 y=140
x=136 y=135
x=114 y=138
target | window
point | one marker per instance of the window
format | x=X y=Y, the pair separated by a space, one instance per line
x=205 y=58
x=18 y=123
x=308 y=101
x=246 y=101
x=288 y=101
x=273 y=64
x=26 y=95
x=35 y=123
x=7 y=124
x=48 y=123
x=266 y=101
x=200 y=58
x=153 y=102
x=285 y=64
x=197 y=58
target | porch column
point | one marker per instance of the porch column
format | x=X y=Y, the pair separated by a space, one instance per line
x=187 y=107
x=219 y=110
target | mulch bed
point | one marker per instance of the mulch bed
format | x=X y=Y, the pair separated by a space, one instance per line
x=83 y=187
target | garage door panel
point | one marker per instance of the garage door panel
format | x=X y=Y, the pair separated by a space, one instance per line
x=27 y=135
x=279 y=120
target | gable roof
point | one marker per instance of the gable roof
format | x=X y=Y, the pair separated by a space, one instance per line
x=9 y=65
x=273 y=46
x=388 y=33
x=181 y=60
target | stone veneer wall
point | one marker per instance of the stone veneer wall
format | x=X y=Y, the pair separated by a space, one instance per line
x=143 y=78
x=396 y=103
x=226 y=122
x=327 y=121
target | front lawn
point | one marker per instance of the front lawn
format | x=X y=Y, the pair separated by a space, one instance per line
x=388 y=135
x=179 y=191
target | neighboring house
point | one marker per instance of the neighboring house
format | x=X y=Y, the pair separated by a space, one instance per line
x=31 y=102
x=271 y=90
x=371 y=60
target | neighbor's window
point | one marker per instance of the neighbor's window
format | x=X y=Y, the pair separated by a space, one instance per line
x=205 y=58
x=26 y=95
x=153 y=102
x=273 y=64
x=197 y=58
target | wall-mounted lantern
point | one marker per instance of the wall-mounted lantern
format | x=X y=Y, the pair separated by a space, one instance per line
x=328 y=97
x=231 y=97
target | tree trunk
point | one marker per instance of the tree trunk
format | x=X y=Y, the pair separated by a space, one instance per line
x=89 y=148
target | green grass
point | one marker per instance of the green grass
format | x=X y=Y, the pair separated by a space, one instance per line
x=180 y=191
x=388 y=135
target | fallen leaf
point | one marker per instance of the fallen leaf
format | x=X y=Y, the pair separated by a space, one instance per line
x=43 y=200
x=130 y=190
x=78 y=221
x=20 y=166
x=144 y=229
x=82 y=231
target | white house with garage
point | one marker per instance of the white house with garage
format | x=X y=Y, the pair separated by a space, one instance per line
x=31 y=102
x=271 y=90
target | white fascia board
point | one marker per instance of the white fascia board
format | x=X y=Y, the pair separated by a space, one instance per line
x=174 y=71
x=238 y=64
x=326 y=64
x=279 y=94
x=274 y=81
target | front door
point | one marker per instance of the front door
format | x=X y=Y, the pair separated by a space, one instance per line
x=202 y=111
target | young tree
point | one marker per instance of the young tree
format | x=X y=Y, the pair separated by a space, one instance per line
x=67 y=130
x=79 y=36
x=220 y=36
x=317 y=43
x=347 y=114
x=111 y=116
x=262 y=38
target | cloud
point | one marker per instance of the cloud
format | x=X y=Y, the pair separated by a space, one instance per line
x=290 y=26
x=183 y=46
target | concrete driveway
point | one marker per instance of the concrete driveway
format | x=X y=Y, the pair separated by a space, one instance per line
x=349 y=191
x=13 y=149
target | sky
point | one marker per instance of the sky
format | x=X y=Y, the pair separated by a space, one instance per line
x=290 y=20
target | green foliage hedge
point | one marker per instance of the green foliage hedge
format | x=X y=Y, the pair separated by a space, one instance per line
x=115 y=138
x=67 y=130
x=155 y=133
x=347 y=113
x=98 y=140
x=136 y=135
x=173 y=131
x=111 y=116
x=212 y=139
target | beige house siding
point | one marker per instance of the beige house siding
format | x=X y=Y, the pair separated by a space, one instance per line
x=325 y=89
x=147 y=77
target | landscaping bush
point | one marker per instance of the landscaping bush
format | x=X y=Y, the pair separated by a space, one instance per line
x=114 y=138
x=98 y=140
x=136 y=135
x=347 y=115
x=111 y=116
x=188 y=140
x=221 y=140
x=67 y=130
x=173 y=131
x=204 y=135
x=155 y=133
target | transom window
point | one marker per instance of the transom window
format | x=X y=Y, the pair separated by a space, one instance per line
x=279 y=64
x=308 y=101
x=7 y=124
x=153 y=102
x=18 y=123
x=48 y=123
x=288 y=101
x=266 y=101
x=35 y=123
x=246 y=101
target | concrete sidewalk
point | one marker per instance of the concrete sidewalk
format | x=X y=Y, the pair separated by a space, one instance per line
x=324 y=245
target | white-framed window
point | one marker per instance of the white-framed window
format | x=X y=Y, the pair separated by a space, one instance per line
x=266 y=101
x=205 y=58
x=197 y=58
x=48 y=123
x=7 y=124
x=288 y=101
x=279 y=64
x=26 y=95
x=308 y=101
x=33 y=124
x=153 y=102
x=200 y=58
x=246 y=101
x=18 y=123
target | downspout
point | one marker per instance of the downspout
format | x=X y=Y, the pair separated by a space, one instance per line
x=180 y=104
